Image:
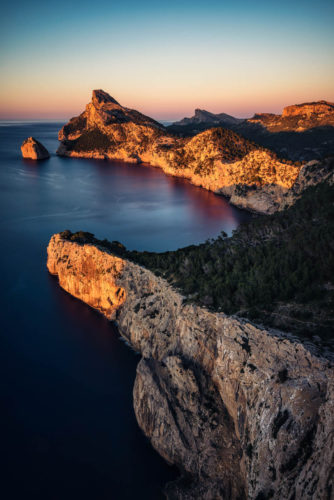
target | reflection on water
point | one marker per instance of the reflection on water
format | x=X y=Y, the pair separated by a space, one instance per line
x=70 y=430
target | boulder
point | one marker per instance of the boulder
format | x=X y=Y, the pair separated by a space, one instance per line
x=34 y=150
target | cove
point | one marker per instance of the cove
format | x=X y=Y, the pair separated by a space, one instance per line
x=69 y=425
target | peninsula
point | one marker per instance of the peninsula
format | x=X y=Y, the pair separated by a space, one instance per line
x=218 y=159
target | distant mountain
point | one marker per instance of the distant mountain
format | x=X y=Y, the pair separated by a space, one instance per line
x=218 y=159
x=298 y=117
x=205 y=117
x=302 y=132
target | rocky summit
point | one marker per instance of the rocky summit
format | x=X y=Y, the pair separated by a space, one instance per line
x=242 y=411
x=34 y=150
x=303 y=132
x=205 y=117
x=218 y=159
x=298 y=117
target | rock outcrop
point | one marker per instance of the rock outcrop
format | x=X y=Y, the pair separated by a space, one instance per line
x=201 y=116
x=216 y=159
x=298 y=117
x=305 y=116
x=304 y=132
x=242 y=411
x=34 y=150
x=319 y=109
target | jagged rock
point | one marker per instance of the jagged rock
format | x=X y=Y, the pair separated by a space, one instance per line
x=34 y=150
x=201 y=116
x=297 y=117
x=320 y=108
x=303 y=132
x=216 y=159
x=243 y=412
x=320 y=113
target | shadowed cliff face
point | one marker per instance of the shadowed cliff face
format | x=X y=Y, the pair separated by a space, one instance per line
x=242 y=411
x=34 y=150
x=217 y=159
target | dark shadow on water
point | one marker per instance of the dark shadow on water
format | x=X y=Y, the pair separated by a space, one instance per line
x=66 y=378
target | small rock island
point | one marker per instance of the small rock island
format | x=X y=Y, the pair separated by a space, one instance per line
x=34 y=150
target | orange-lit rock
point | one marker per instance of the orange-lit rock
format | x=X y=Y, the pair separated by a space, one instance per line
x=243 y=411
x=321 y=108
x=34 y=150
x=88 y=274
x=297 y=117
x=216 y=159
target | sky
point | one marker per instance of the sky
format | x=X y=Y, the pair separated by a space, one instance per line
x=164 y=58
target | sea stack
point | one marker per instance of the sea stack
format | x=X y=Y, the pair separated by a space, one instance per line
x=34 y=150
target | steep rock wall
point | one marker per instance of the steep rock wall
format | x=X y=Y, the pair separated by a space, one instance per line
x=242 y=411
x=216 y=159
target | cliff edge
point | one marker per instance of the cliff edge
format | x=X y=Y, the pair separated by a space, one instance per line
x=218 y=159
x=243 y=412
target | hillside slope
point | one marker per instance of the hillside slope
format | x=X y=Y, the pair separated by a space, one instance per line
x=244 y=412
x=303 y=132
x=218 y=159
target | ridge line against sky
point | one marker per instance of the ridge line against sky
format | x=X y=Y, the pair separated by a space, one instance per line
x=165 y=59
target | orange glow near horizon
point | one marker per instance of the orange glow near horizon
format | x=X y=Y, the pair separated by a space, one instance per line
x=166 y=59
x=44 y=104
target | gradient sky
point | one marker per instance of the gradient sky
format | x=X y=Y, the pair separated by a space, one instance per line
x=165 y=58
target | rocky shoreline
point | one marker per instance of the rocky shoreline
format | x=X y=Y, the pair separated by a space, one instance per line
x=242 y=411
x=220 y=160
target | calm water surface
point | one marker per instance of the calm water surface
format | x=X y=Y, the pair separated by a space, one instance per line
x=68 y=425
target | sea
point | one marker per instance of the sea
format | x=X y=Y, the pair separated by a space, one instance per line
x=67 y=420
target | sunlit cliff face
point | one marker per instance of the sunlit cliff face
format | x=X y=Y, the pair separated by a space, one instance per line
x=218 y=160
x=100 y=269
x=216 y=395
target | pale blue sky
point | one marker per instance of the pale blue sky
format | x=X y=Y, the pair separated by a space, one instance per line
x=165 y=58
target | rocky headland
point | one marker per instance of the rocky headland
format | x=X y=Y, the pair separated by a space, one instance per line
x=298 y=117
x=303 y=132
x=243 y=411
x=34 y=150
x=218 y=159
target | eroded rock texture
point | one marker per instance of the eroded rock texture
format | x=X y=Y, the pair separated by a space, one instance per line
x=34 y=150
x=298 y=117
x=217 y=159
x=242 y=411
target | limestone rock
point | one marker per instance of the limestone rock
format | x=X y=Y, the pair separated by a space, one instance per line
x=216 y=159
x=244 y=412
x=34 y=150
x=322 y=108
x=297 y=117
x=201 y=116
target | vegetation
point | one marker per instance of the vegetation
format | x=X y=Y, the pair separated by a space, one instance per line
x=316 y=142
x=277 y=269
x=90 y=140
x=76 y=124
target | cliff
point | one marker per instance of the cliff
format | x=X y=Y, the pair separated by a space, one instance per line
x=201 y=116
x=34 y=150
x=298 y=117
x=243 y=412
x=216 y=159
x=303 y=132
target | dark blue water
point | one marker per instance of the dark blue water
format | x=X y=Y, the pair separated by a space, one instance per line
x=68 y=426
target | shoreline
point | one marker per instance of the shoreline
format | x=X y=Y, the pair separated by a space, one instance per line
x=170 y=173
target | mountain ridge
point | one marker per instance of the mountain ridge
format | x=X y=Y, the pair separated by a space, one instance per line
x=320 y=111
x=221 y=160
x=217 y=396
